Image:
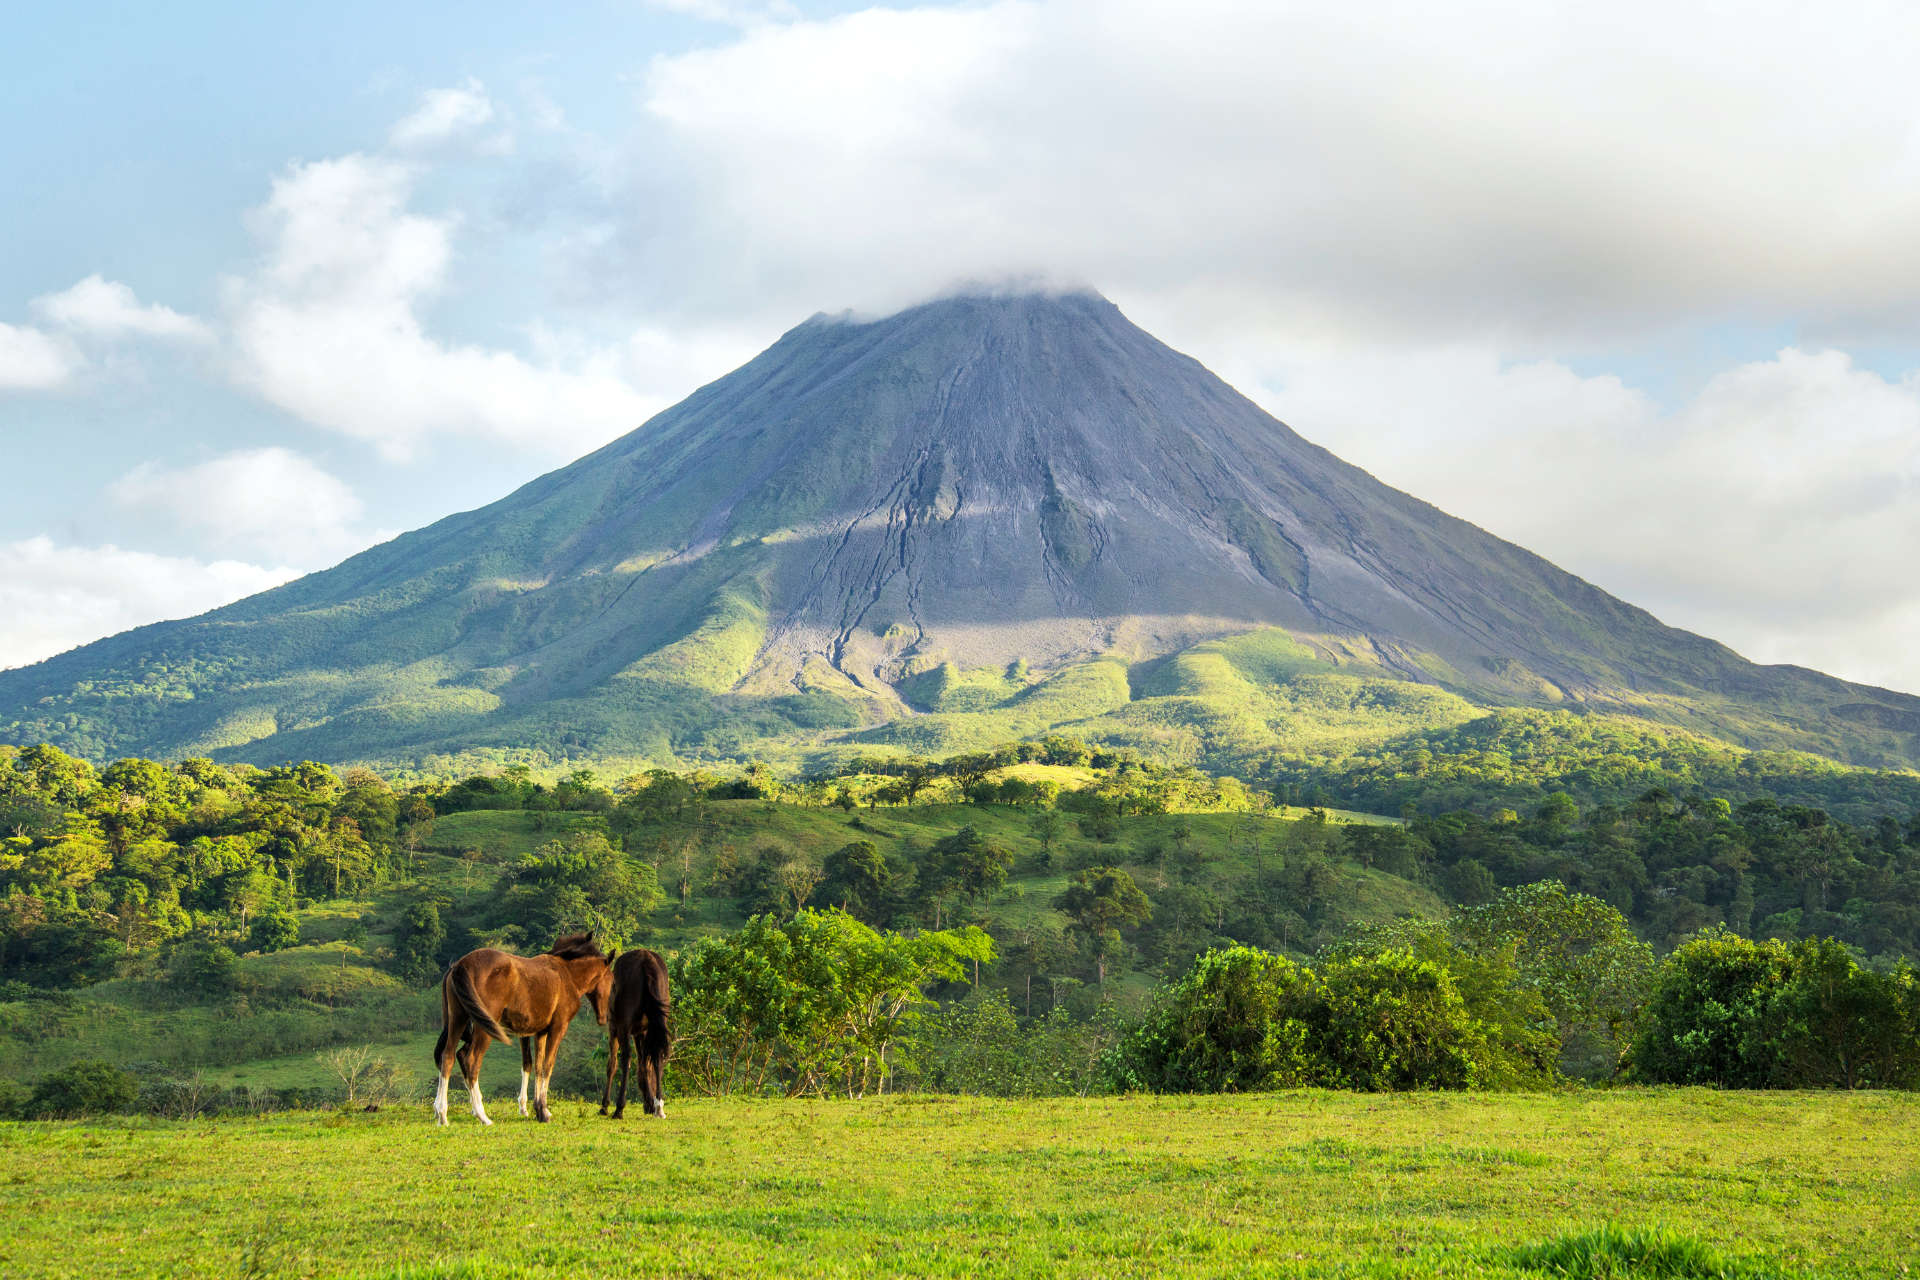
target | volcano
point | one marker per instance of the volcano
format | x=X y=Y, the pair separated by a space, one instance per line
x=1022 y=509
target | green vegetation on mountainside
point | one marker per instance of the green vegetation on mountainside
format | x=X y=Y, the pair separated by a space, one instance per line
x=979 y=519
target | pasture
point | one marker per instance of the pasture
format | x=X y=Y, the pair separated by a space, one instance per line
x=1290 y=1184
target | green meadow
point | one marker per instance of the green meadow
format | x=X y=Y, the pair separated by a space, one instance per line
x=1287 y=1184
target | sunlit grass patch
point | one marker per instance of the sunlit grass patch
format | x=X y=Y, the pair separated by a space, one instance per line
x=1652 y=1252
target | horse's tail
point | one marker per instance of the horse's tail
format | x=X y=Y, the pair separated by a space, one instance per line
x=460 y=988
x=656 y=1004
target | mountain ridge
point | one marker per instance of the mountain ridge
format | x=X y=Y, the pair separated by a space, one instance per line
x=974 y=483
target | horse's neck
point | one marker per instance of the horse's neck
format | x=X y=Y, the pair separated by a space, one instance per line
x=584 y=972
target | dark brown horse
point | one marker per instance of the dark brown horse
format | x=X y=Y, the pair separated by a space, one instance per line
x=491 y=995
x=642 y=1003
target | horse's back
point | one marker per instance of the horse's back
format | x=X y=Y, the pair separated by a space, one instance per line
x=640 y=980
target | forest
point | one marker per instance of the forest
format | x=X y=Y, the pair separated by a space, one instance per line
x=1042 y=917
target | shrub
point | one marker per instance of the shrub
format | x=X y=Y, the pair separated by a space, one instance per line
x=275 y=930
x=1745 y=1014
x=204 y=966
x=86 y=1088
x=1381 y=1020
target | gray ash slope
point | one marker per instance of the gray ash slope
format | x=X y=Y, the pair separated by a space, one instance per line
x=975 y=481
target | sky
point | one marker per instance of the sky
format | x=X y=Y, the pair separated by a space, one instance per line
x=1636 y=286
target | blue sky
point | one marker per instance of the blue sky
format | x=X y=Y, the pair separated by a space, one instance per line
x=1634 y=285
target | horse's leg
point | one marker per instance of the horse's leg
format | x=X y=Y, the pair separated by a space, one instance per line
x=549 y=1051
x=447 y=1051
x=626 y=1061
x=526 y=1069
x=613 y=1052
x=652 y=1073
x=476 y=1054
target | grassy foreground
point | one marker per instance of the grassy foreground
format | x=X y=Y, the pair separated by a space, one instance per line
x=1296 y=1184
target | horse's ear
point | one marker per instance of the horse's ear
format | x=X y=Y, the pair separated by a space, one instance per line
x=613 y=955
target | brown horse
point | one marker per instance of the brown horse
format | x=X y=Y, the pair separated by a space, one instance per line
x=491 y=995
x=642 y=1003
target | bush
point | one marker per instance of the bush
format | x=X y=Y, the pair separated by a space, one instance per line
x=87 y=1088
x=15 y=1100
x=1741 y=1014
x=275 y=930
x=204 y=966
x=1384 y=1020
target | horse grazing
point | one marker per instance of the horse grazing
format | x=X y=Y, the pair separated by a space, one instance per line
x=642 y=1003
x=492 y=995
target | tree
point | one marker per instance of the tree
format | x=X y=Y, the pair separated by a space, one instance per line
x=275 y=930
x=1046 y=826
x=1707 y=1019
x=1578 y=952
x=581 y=881
x=806 y=1005
x=1101 y=901
x=796 y=881
x=417 y=943
x=971 y=863
x=87 y=1088
x=857 y=877
x=1470 y=883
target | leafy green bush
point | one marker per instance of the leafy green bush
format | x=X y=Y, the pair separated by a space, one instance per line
x=88 y=1088
x=1744 y=1014
x=1379 y=1020
x=205 y=967
x=275 y=929
x=812 y=1005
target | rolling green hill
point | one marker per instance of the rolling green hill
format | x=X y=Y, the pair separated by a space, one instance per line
x=982 y=518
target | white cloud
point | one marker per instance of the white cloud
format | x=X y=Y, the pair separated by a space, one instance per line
x=329 y=327
x=110 y=309
x=1778 y=510
x=53 y=598
x=34 y=361
x=443 y=113
x=273 y=501
x=1524 y=171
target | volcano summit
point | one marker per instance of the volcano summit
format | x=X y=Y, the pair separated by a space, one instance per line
x=980 y=518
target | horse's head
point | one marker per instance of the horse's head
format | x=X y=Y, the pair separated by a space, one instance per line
x=600 y=994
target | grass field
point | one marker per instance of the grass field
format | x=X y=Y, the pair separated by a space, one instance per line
x=1296 y=1184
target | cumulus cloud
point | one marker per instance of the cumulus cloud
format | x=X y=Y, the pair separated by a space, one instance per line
x=442 y=113
x=34 y=361
x=329 y=326
x=109 y=309
x=53 y=598
x=272 y=501
x=1521 y=170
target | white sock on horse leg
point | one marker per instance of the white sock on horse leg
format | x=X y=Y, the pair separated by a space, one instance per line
x=473 y=1092
x=440 y=1101
x=523 y=1093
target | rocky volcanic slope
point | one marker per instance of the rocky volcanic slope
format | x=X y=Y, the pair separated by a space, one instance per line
x=870 y=518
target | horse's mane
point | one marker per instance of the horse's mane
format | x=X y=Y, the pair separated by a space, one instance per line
x=575 y=946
